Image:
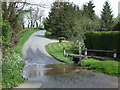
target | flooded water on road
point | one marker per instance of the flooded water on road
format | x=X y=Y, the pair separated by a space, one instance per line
x=66 y=76
x=38 y=70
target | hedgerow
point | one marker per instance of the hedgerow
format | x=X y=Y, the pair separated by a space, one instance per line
x=103 y=40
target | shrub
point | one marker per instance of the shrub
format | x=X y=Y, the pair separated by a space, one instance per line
x=5 y=33
x=75 y=45
x=12 y=62
x=11 y=69
x=117 y=27
x=103 y=40
x=49 y=35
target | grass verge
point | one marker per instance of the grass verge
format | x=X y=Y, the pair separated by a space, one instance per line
x=13 y=63
x=23 y=37
x=107 y=67
x=57 y=52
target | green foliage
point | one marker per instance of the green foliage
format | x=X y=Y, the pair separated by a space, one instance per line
x=5 y=33
x=106 y=18
x=67 y=20
x=11 y=69
x=75 y=45
x=12 y=62
x=50 y=36
x=60 y=20
x=107 y=67
x=103 y=40
x=82 y=24
x=117 y=27
x=89 y=10
x=2 y=12
x=22 y=32
x=23 y=36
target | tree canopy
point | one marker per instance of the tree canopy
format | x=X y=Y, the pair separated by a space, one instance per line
x=68 y=20
x=60 y=20
x=106 y=17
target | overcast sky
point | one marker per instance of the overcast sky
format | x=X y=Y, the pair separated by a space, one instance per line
x=98 y=3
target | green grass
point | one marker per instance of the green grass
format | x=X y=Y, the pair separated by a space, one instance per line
x=25 y=34
x=13 y=63
x=56 y=50
x=0 y=74
x=108 y=67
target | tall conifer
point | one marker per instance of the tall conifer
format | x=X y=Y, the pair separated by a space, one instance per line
x=106 y=17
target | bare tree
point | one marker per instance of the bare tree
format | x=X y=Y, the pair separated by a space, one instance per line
x=14 y=12
x=35 y=16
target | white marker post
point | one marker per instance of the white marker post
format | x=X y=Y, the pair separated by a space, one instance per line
x=80 y=51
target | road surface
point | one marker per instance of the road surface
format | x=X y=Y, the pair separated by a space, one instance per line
x=41 y=70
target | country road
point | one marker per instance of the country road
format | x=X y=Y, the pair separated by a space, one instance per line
x=41 y=70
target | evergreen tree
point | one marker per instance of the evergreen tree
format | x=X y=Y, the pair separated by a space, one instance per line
x=89 y=19
x=106 y=17
x=117 y=27
x=60 y=19
x=88 y=10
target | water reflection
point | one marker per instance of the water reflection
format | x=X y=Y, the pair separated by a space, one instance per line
x=66 y=76
x=37 y=70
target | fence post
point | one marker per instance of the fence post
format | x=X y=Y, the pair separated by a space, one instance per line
x=64 y=51
x=79 y=48
x=115 y=54
x=85 y=52
x=80 y=57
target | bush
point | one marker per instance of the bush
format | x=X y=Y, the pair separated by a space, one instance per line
x=75 y=45
x=103 y=40
x=49 y=35
x=11 y=69
x=117 y=27
x=5 y=33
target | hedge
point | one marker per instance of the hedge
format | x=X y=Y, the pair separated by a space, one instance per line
x=105 y=40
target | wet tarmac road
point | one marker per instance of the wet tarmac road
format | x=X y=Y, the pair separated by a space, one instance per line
x=43 y=71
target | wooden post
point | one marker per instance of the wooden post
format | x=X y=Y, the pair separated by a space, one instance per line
x=64 y=51
x=80 y=58
x=79 y=48
x=115 y=54
x=85 y=52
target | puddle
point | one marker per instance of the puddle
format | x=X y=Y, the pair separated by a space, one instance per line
x=37 y=70
x=60 y=69
x=64 y=76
